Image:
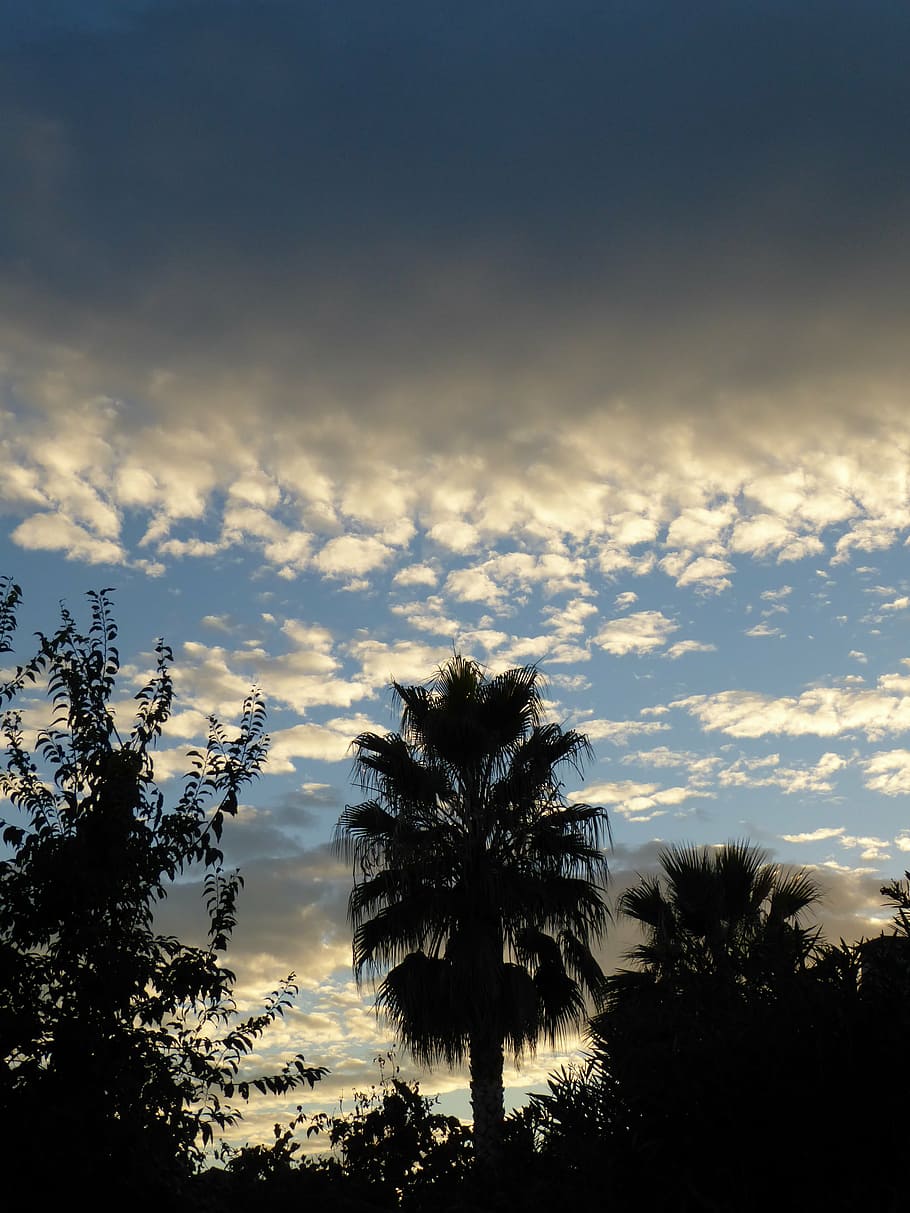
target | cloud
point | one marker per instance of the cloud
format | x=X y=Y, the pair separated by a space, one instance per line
x=870 y=847
x=455 y=534
x=57 y=533
x=352 y=555
x=763 y=629
x=819 y=835
x=216 y=623
x=641 y=632
x=790 y=779
x=277 y=390
x=428 y=616
x=328 y=742
x=568 y=619
x=509 y=576
x=620 y=731
x=888 y=772
x=682 y=647
x=700 y=767
x=473 y=585
x=709 y=572
x=819 y=712
x=405 y=660
x=416 y=574
x=776 y=595
x=641 y=802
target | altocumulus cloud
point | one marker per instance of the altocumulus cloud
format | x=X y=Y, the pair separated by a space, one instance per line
x=357 y=375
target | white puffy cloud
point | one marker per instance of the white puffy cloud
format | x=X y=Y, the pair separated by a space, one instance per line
x=763 y=629
x=697 y=527
x=708 y=572
x=620 y=731
x=761 y=535
x=682 y=647
x=428 y=616
x=819 y=835
x=640 y=802
x=819 y=711
x=352 y=555
x=328 y=742
x=700 y=767
x=641 y=632
x=456 y=535
x=871 y=534
x=869 y=847
x=473 y=585
x=770 y=772
x=51 y=532
x=888 y=772
x=404 y=660
x=416 y=574
x=216 y=679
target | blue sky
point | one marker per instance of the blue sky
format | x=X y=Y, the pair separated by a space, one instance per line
x=337 y=336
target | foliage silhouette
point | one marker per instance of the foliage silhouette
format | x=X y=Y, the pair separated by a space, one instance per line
x=722 y=1072
x=720 y=916
x=391 y=1151
x=394 y=1146
x=125 y=1039
x=478 y=889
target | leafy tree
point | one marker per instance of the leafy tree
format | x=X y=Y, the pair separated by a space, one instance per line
x=394 y=1146
x=479 y=890
x=120 y=1041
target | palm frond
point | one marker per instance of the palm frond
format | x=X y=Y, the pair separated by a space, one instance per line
x=423 y=999
x=418 y=923
x=581 y=964
x=793 y=894
x=561 y=1004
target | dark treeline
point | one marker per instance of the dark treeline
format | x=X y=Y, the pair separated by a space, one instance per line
x=738 y=1063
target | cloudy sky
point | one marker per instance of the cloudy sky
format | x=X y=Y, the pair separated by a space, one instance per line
x=337 y=335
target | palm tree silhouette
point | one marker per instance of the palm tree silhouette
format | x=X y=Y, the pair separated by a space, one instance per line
x=699 y=1039
x=724 y=913
x=479 y=891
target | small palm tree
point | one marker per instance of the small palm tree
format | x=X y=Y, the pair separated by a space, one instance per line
x=722 y=912
x=479 y=891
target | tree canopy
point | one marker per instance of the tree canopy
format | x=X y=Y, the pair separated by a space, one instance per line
x=122 y=1040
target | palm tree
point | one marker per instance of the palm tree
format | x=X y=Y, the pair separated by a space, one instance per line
x=724 y=913
x=698 y=1041
x=479 y=891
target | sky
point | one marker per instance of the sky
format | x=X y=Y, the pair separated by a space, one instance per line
x=338 y=336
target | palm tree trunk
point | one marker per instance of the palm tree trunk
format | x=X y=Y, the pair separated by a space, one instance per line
x=487 y=1099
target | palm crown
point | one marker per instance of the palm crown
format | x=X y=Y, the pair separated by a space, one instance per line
x=478 y=889
x=724 y=912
